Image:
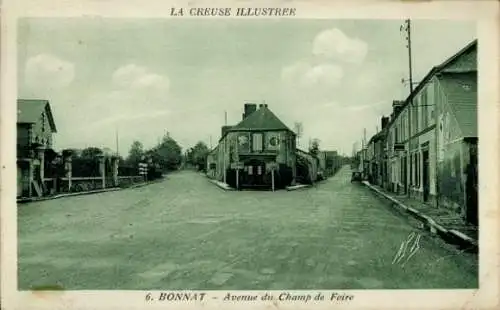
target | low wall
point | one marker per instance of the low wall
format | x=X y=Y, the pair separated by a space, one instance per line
x=84 y=184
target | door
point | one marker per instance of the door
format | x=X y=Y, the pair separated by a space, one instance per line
x=19 y=181
x=404 y=176
x=425 y=174
x=471 y=190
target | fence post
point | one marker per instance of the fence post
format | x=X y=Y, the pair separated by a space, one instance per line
x=102 y=168
x=115 y=161
x=68 y=162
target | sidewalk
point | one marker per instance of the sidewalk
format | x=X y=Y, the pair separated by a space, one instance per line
x=446 y=223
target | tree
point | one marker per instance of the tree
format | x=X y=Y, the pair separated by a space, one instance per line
x=168 y=154
x=314 y=148
x=199 y=155
x=299 y=129
x=136 y=153
x=91 y=152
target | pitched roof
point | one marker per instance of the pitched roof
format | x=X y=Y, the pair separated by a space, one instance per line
x=465 y=60
x=29 y=111
x=261 y=119
x=461 y=95
x=379 y=135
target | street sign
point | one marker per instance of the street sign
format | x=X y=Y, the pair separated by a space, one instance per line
x=272 y=166
x=237 y=165
x=143 y=168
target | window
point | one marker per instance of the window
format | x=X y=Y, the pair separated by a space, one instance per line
x=43 y=122
x=425 y=113
x=414 y=170
x=417 y=169
x=414 y=117
x=257 y=142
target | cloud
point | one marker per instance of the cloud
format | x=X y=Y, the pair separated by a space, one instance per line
x=303 y=74
x=138 y=77
x=324 y=74
x=334 y=44
x=45 y=71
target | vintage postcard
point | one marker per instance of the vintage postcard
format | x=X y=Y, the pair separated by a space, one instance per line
x=246 y=154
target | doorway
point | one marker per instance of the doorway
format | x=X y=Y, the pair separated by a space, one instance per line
x=425 y=174
x=471 y=189
x=404 y=175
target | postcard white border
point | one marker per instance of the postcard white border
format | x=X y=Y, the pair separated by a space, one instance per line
x=486 y=12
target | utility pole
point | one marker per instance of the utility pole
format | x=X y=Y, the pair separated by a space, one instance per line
x=116 y=137
x=407 y=28
x=364 y=137
x=225 y=118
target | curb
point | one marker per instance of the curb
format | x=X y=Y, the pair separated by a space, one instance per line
x=221 y=185
x=297 y=187
x=431 y=224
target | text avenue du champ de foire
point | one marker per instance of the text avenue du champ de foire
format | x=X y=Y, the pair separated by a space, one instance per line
x=243 y=12
x=246 y=297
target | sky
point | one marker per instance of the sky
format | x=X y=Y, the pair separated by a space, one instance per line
x=139 y=78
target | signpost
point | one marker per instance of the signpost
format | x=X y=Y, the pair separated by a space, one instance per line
x=273 y=166
x=143 y=170
x=237 y=166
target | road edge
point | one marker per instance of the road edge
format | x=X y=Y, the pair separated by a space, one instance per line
x=429 y=223
x=221 y=185
x=297 y=187
x=111 y=189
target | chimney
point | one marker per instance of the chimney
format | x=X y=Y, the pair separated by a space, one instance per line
x=249 y=109
x=384 y=122
x=397 y=105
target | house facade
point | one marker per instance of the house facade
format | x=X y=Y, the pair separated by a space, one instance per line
x=431 y=140
x=395 y=149
x=35 y=129
x=457 y=137
x=376 y=152
x=255 y=146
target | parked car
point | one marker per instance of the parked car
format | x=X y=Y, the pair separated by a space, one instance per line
x=356 y=176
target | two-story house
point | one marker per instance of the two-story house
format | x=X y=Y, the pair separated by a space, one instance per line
x=457 y=133
x=438 y=166
x=259 y=143
x=377 y=155
x=35 y=129
x=395 y=149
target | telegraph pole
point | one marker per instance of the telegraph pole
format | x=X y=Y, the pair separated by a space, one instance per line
x=407 y=28
x=117 y=148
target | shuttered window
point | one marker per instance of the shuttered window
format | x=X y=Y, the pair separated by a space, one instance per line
x=257 y=142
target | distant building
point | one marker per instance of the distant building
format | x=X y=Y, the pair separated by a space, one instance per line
x=254 y=146
x=35 y=129
x=376 y=153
